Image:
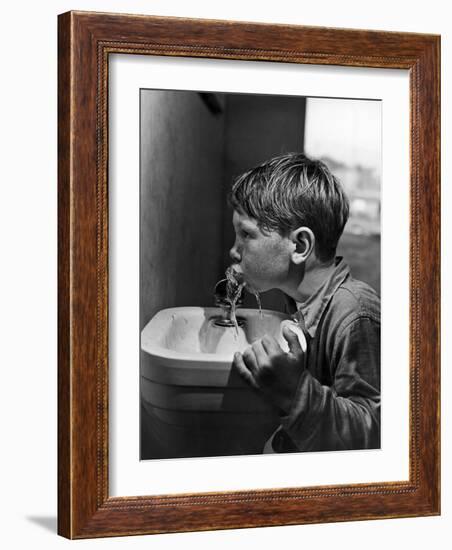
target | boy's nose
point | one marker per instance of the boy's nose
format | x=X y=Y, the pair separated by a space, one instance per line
x=233 y=253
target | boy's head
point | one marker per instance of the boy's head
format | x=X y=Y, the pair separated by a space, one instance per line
x=291 y=191
x=287 y=193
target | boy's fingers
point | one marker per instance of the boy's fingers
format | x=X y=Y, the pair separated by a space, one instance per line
x=270 y=345
x=293 y=340
x=260 y=353
x=250 y=359
x=243 y=369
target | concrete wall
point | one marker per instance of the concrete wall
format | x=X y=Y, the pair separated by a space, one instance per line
x=182 y=143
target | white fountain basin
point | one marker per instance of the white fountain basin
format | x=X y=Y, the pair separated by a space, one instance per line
x=193 y=402
x=190 y=350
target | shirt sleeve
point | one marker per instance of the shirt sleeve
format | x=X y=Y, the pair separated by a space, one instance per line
x=345 y=415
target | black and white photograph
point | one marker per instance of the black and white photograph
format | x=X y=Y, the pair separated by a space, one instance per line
x=225 y=228
x=259 y=274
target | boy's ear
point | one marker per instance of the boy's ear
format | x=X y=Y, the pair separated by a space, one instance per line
x=304 y=241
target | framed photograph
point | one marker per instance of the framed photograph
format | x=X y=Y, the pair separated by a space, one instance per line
x=248 y=275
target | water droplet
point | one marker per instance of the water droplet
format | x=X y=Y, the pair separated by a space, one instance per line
x=259 y=305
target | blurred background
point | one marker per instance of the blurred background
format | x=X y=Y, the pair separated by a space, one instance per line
x=193 y=145
x=346 y=135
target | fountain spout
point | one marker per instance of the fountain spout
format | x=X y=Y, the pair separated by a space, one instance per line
x=228 y=299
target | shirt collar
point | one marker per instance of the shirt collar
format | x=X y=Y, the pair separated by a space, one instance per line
x=310 y=312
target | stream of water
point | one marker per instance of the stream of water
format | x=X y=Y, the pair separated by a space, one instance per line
x=234 y=289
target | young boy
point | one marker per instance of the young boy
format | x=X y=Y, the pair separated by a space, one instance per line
x=289 y=214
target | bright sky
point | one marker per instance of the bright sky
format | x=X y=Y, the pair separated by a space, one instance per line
x=347 y=130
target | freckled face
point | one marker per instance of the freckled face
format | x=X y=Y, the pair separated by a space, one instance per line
x=263 y=258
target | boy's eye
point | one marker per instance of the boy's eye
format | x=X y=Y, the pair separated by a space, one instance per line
x=245 y=234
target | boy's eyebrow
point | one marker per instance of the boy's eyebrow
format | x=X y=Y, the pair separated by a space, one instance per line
x=246 y=224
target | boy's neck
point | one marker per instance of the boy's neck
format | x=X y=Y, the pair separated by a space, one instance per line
x=314 y=276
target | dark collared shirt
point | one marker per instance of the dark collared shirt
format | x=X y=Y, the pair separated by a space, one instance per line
x=337 y=403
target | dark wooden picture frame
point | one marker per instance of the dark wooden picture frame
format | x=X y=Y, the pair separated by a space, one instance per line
x=85 y=42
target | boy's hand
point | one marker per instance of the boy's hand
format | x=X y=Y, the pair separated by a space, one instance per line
x=270 y=370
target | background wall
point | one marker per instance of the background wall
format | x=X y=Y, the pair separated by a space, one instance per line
x=28 y=276
x=182 y=156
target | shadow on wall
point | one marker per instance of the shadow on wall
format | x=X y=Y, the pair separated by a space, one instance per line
x=49 y=523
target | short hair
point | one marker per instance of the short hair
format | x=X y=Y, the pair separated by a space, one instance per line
x=291 y=191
